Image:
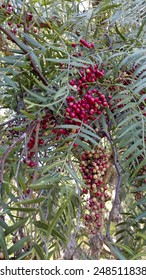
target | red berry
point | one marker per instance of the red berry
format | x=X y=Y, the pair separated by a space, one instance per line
x=72 y=115
x=102 y=205
x=85 y=191
x=18 y=25
x=41 y=141
x=44 y=126
x=24 y=160
x=87 y=217
x=74 y=45
x=32 y=164
x=92 y=45
x=96 y=216
x=28 y=191
x=75 y=144
x=27 y=161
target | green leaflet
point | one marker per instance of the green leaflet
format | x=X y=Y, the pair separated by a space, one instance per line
x=74 y=175
x=39 y=97
x=116 y=251
x=23 y=209
x=16 y=226
x=38 y=250
x=128 y=129
x=53 y=165
x=19 y=245
x=88 y=132
x=3 y=244
x=132 y=148
x=31 y=201
x=140 y=234
x=3 y=224
x=10 y=82
x=45 y=227
x=119 y=33
x=41 y=225
x=61 y=92
x=33 y=42
x=138 y=256
x=23 y=256
x=140 y=217
x=140 y=165
x=36 y=60
x=28 y=115
x=59 y=213
x=82 y=144
x=88 y=138
x=125 y=248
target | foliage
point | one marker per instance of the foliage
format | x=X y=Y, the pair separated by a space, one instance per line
x=44 y=47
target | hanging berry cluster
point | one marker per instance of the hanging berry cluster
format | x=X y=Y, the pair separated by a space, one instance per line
x=86 y=103
x=94 y=166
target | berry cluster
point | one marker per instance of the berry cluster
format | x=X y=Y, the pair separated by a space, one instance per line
x=84 y=43
x=94 y=166
x=14 y=23
x=87 y=75
x=86 y=103
x=85 y=109
x=91 y=104
x=7 y=9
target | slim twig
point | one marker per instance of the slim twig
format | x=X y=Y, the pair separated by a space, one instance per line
x=7 y=122
x=21 y=155
x=79 y=192
x=119 y=173
x=10 y=149
x=110 y=41
x=36 y=153
x=27 y=51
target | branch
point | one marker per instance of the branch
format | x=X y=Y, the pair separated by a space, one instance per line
x=7 y=122
x=10 y=149
x=79 y=208
x=118 y=169
x=25 y=50
x=36 y=153
x=109 y=40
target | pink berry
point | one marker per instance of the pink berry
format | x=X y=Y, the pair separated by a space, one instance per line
x=99 y=225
